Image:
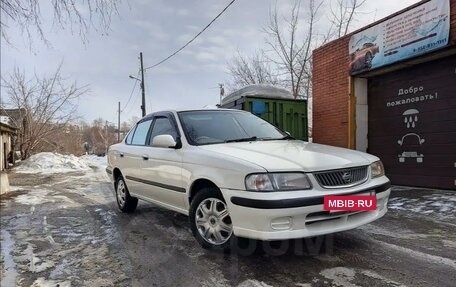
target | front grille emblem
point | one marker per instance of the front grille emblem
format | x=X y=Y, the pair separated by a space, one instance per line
x=342 y=177
x=347 y=176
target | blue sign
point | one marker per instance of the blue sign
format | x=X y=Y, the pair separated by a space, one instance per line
x=415 y=32
x=258 y=108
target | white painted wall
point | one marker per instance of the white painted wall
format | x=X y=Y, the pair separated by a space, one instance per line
x=4 y=183
x=360 y=91
x=4 y=138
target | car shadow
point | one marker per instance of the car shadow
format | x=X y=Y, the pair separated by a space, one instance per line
x=326 y=245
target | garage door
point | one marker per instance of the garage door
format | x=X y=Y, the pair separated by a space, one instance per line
x=412 y=124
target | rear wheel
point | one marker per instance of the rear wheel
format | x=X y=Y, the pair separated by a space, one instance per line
x=125 y=202
x=210 y=220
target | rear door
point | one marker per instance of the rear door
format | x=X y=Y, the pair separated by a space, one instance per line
x=132 y=157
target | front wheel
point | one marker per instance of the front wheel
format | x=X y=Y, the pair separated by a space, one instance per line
x=125 y=202
x=210 y=220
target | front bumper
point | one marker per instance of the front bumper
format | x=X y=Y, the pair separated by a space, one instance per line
x=288 y=215
x=109 y=173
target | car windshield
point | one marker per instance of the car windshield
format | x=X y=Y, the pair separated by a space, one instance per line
x=211 y=127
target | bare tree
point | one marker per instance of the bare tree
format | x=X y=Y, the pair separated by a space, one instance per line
x=76 y=15
x=133 y=120
x=291 y=53
x=67 y=140
x=291 y=41
x=49 y=105
x=125 y=127
x=102 y=135
x=98 y=136
x=251 y=70
x=343 y=13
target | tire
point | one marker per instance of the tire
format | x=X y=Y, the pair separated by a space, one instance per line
x=125 y=202
x=209 y=208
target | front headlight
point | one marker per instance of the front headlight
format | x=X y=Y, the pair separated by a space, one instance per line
x=277 y=181
x=258 y=182
x=377 y=169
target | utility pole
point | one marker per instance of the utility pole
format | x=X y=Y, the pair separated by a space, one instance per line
x=143 y=105
x=118 y=125
x=222 y=93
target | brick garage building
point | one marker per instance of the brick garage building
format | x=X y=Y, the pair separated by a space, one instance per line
x=390 y=89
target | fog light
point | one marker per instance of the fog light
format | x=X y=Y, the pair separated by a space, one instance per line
x=281 y=223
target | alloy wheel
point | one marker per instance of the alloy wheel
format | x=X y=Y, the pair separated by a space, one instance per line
x=213 y=221
x=121 y=193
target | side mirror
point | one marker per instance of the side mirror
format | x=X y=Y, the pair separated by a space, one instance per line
x=166 y=141
x=288 y=133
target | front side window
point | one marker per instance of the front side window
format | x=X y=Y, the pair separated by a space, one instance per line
x=140 y=135
x=163 y=126
x=210 y=127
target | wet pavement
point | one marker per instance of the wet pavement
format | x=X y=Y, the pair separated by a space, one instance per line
x=65 y=230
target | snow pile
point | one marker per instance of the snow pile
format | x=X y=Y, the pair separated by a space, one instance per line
x=48 y=162
x=42 y=282
x=95 y=161
x=98 y=165
x=438 y=204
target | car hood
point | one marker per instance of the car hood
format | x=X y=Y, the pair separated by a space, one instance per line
x=288 y=155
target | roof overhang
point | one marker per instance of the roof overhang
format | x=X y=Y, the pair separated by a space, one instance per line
x=7 y=128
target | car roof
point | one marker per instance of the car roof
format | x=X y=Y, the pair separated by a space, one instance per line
x=192 y=110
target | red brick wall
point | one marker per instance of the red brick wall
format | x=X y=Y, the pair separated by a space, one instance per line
x=330 y=87
x=330 y=93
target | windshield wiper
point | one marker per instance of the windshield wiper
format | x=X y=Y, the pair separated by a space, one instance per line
x=287 y=137
x=254 y=138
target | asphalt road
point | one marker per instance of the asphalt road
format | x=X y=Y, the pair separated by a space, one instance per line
x=65 y=230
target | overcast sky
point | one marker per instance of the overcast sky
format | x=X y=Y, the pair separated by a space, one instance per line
x=157 y=28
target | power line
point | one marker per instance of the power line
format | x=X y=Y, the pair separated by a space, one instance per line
x=133 y=105
x=196 y=36
x=113 y=119
x=131 y=94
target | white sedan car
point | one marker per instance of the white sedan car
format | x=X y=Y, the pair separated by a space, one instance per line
x=235 y=174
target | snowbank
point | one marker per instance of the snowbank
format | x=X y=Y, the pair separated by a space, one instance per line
x=96 y=161
x=48 y=162
x=441 y=205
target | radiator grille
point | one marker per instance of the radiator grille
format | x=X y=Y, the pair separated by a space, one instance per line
x=342 y=177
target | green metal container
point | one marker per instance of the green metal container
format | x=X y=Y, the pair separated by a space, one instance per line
x=274 y=105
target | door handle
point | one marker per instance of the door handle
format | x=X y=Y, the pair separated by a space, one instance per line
x=121 y=154
x=145 y=157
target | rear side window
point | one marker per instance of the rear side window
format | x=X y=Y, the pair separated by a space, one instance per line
x=130 y=135
x=140 y=135
x=162 y=126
